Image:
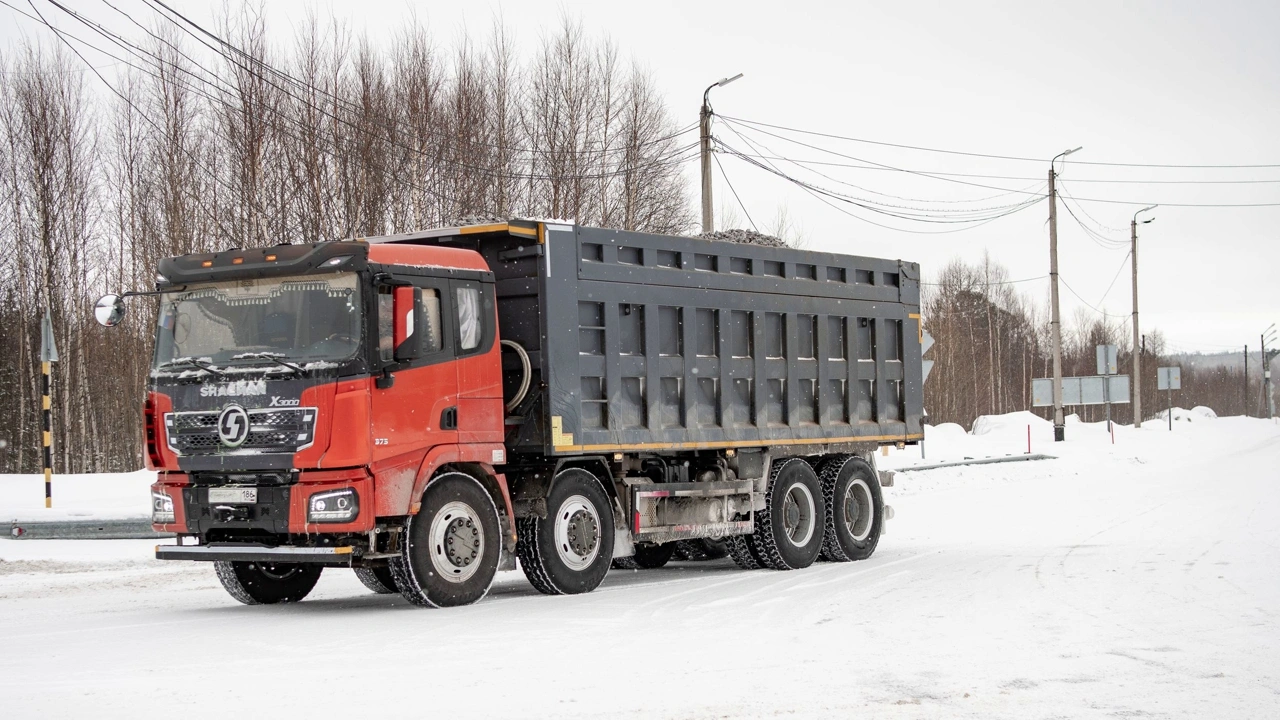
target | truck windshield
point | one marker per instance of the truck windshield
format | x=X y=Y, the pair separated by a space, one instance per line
x=301 y=319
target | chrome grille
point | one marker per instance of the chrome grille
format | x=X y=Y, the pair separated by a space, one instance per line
x=276 y=430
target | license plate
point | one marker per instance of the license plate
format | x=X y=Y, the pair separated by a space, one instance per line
x=233 y=495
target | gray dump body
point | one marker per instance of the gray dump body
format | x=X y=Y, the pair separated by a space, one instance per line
x=652 y=343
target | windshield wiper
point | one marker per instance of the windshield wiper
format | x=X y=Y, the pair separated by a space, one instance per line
x=191 y=362
x=273 y=357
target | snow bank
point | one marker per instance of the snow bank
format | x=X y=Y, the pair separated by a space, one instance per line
x=1197 y=413
x=988 y=424
x=89 y=496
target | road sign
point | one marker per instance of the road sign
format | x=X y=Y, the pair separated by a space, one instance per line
x=48 y=350
x=1169 y=378
x=926 y=342
x=1107 y=360
x=1090 y=390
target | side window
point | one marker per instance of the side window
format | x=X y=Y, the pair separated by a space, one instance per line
x=386 y=318
x=469 y=328
x=431 y=310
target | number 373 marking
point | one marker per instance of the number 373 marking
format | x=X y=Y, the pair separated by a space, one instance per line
x=381 y=441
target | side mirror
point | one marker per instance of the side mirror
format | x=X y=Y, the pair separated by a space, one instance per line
x=109 y=311
x=408 y=328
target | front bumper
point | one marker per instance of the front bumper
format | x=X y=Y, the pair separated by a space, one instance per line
x=280 y=509
x=247 y=552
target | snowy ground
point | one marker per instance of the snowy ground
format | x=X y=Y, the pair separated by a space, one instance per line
x=1129 y=580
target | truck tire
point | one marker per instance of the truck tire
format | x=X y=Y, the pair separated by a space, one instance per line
x=254 y=583
x=378 y=579
x=855 y=508
x=570 y=550
x=789 y=531
x=451 y=548
x=649 y=556
x=741 y=552
x=701 y=549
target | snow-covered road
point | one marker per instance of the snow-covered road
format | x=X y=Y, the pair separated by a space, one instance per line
x=1135 y=580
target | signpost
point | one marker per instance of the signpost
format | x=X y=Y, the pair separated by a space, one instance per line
x=1107 y=367
x=1169 y=379
x=48 y=355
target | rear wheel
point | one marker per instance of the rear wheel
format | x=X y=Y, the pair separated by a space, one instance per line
x=855 y=508
x=701 y=549
x=451 y=547
x=789 y=532
x=255 y=583
x=378 y=579
x=741 y=552
x=570 y=550
x=648 y=556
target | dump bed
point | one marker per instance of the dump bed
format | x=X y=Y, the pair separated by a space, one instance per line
x=642 y=342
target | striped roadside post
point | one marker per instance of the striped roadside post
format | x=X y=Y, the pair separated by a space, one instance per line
x=48 y=356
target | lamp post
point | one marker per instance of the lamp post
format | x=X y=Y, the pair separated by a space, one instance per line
x=1059 y=421
x=704 y=140
x=1137 y=353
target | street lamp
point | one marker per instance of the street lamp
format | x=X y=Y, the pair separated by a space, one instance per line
x=1137 y=353
x=704 y=140
x=1059 y=421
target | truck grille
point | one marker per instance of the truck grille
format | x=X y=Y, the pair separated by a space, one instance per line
x=270 y=430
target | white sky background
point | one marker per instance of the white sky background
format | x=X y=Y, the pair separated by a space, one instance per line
x=1139 y=82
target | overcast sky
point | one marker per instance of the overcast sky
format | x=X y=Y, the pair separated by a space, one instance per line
x=1190 y=83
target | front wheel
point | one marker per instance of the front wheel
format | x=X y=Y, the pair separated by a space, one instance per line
x=255 y=583
x=451 y=547
x=378 y=579
x=569 y=551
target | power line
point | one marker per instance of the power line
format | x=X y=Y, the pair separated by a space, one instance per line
x=982 y=176
x=992 y=284
x=937 y=176
x=725 y=175
x=987 y=155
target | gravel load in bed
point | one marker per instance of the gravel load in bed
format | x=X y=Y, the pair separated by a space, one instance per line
x=746 y=237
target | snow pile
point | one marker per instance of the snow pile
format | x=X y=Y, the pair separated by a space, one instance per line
x=90 y=496
x=987 y=424
x=1198 y=413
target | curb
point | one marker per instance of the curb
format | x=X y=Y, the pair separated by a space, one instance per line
x=980 y=461
x=84 y=530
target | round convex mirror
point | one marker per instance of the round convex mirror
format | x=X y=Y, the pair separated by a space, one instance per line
x=109 y=311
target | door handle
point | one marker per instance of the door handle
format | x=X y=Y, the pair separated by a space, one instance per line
x=449 y=418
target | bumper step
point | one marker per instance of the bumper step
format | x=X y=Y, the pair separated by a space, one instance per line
x=256 y=553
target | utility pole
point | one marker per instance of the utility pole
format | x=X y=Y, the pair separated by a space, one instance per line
x=1055 y=325
x=1137 y=364
x=704 y=143
x=1268 y=402
x=1245 y=396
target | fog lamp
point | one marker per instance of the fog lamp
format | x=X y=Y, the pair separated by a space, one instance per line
x=161 y=509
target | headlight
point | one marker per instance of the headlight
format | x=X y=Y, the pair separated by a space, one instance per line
x=161 y=509
x=333 y=506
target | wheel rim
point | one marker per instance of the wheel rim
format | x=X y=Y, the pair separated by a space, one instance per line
x=798 y=511
x=859 y=512
x=577 y=532
x=457 y=542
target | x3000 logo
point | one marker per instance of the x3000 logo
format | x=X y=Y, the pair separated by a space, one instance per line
x=233 y=426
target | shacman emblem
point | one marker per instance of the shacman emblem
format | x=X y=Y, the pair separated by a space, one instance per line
x=233 y=426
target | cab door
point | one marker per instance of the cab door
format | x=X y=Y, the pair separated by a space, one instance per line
x=414 y=404
x=479 y=362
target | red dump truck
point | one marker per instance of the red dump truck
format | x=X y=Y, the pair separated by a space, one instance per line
x=429 y=408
